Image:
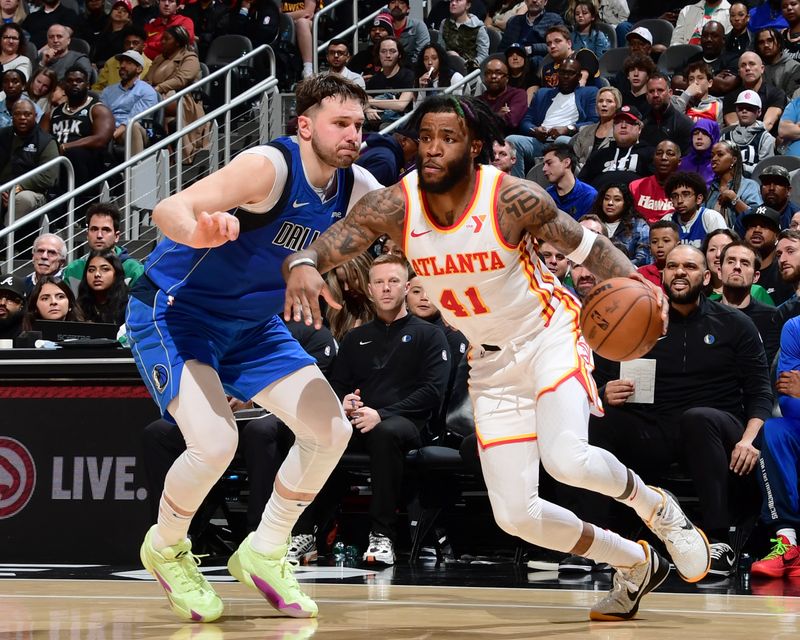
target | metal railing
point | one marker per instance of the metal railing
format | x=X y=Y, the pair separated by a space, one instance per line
x=328 y=8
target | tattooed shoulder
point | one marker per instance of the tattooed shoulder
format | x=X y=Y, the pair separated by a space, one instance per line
x=522 y=207
x=382 y=210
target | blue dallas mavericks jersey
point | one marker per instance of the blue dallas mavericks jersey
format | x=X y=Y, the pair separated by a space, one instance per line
x=242 y=279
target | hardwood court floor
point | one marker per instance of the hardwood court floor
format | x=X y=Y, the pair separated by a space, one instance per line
x=125 y=609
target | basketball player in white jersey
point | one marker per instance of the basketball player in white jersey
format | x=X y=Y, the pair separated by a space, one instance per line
x=469 y=232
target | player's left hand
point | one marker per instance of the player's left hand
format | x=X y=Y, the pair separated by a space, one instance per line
x=663 y=303
x=213 y=230
x=365 y=419
x=743 y=457
x=304 y=286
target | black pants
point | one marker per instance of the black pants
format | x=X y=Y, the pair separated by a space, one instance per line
x=700 y=439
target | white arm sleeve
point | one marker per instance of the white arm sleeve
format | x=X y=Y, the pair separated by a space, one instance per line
x=363 y=183
x=281 y=176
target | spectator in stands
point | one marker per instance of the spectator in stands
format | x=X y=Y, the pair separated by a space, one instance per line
x=38 y=23
x=614 y=206
x=129 y=97
x=586 y=35
x=730 y=192
x=259 y=22
x=776 y=189
x=91 y=22
x=508 y=103
x=102 y=292
x=433 y=72
x=389 y=399
x=502 y=11
x=779 y=69
x=554 y=113
x=738 y=39
x=440 y=10
x=712 y=394
x=51 y=299
x=45 y=90
x=206 y=16
x=773 y=100
x=412 y=33
x=49 y=257
x=168 y=16
x=789 y=36
x=649 y=198
x=12 y=11
x=787 y=253
x=664 y=236
x=12 y=301
x=393 y=78
x=337 y=56
x=600 y=135
x=780 y=442
x=103 y=220
x=13 y=83
x=464 y=34
x=712 y=247
x=387 y=155
x=367 y=62
x=570 y=194
x=754 y=141
x=761 y=229
x=23 y=147
x=789 y=128
x=624 y=160
x=133 y=40
x=767 y=14
x=349 y=286
x=723 y=63
x=555 y=261
x=696 y=101
x=57 y=55
x=640 y=42
x=637 y=70
x=110 y=40
x=662 y=120
x=559 y=48
x=521 y=73
x=82 y=126
x=174 y=69
x=530 y=28
x=693 y=17
x=12 y=49
x=302 y=13
x=688 y=192
x=705 y=134
x=144 y=12
x=504 y=156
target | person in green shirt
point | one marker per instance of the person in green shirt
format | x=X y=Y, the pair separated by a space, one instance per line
x=103 y=234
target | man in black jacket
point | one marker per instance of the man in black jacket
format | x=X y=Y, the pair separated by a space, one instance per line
x=12 y=306
x=663 y=121
x=391 y=375
x=711 y=396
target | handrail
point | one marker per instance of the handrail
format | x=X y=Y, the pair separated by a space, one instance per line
x=354 y=28
x=12 y=227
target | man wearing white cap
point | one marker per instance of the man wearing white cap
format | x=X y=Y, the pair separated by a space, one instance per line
x=129 y=97
x=753 y=140
x=773 y=100
x=692 y=18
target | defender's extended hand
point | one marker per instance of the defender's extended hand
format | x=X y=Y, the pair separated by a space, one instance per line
x=304 y=286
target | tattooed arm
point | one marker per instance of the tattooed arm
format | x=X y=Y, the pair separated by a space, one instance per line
x=377 y=213
x=525 y=206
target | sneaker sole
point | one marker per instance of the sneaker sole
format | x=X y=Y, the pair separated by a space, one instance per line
x=542 y=565
x=698 y=578
x=761 y=573
x=184 y=614
x=377 y=560
x=269 y=594
x=307 y=558
x=655 y=581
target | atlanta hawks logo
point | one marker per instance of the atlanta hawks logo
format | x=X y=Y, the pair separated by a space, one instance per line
x=17 y=477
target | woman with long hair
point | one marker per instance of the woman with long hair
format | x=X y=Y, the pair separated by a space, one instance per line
x=598 y=136
x=586 y=35
x=348 y=285
x=614 y=207
x=790 y=37
x=44 y=90
x=433 y=72
x=12 y=50
x=12 y=11
x=102 y=292
x=392 y=78
x=110 y=40
x=51 y=299
x=730 y=192
x=521 y=73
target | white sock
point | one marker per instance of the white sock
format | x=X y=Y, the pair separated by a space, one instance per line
x=171 y=528
x=612 y=548
x=638 y=496
x=280 y=515
x=308 y=69
x=790 y=534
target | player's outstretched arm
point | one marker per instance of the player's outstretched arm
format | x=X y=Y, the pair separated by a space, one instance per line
x=377 y=213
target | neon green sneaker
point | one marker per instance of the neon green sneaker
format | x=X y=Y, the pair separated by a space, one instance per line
x=189 y=594
x=273 y=577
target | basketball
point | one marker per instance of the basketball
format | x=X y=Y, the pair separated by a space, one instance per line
x=620 y=319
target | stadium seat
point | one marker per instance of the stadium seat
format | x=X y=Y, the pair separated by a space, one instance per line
x=675 y=58
x=610 y=32
x=81 y=46
x=495 y=36
x=537 y=175
x=789 y=162
x=457 y=63
x=225 y=49
x=612 y=60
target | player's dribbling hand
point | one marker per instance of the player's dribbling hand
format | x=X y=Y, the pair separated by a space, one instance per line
x=663 y=303
x=214 y=229
x=304 y=286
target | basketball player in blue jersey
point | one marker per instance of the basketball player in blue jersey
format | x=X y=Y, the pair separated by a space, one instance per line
x=468 y=230
x=202 y=325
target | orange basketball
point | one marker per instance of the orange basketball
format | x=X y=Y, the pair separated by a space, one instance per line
x=620 y=319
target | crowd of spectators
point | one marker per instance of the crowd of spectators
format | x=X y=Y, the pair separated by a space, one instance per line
x=687 y=164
